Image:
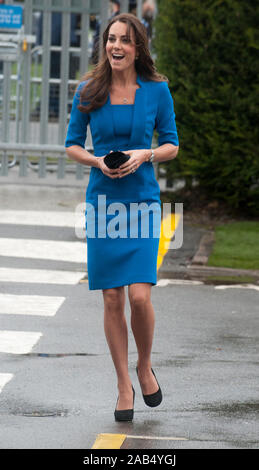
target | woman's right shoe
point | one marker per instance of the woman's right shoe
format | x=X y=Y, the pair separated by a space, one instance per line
x=153 y=399
x=125 y=415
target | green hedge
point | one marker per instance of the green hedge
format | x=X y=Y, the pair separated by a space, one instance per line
x=209 y=52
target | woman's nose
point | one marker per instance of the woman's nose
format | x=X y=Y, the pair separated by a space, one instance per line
x=117 y=43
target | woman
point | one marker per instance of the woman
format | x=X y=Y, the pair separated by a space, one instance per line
x=124 y=99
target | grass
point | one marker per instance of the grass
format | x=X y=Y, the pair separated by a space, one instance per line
x=236 y=246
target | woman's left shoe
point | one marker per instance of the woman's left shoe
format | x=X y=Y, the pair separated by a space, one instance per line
x=154 y=399
x=125 y=415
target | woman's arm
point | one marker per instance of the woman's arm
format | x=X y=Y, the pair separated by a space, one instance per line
x=163 y=153
x=80 y=155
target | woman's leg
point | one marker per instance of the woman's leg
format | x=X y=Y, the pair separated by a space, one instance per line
x=142 y=324
x=116 y=331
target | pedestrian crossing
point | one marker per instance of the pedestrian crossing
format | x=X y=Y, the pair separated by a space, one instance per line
x=15 y=251
x=18 y=342
x=40 y=218
x=43 y=249
x=4 y=379
x=30 y=304
x=40 y=276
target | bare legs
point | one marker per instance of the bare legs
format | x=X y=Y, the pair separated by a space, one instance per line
x=115 y=327
x=142 y=323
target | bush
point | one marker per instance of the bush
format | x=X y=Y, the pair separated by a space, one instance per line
x=209 y=52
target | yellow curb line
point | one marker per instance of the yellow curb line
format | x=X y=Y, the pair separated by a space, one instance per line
x=109 y=441
x=168 y=227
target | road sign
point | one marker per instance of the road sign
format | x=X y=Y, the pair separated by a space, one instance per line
x=11 y=16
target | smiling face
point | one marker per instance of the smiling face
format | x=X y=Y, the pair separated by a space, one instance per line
x=121 y=47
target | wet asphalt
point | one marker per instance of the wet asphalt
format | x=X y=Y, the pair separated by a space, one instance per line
x=205 y=356
x=63 y=393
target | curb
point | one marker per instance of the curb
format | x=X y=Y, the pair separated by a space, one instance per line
x=199 y=263
x=202 y=254
x=197 y=269
x=205 y=273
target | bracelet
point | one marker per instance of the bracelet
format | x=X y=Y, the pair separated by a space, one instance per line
x=152 y=156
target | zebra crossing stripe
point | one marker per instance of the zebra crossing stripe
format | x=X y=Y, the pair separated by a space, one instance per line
x=40 y=218
x=40 y=276
x=30 y=304
x=18 y=342
x=4 y=379
x=44 y=249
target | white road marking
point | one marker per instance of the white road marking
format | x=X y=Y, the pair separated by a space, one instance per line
x=238 y=286
x=42 y=218
x=18 y=342
x=44 y=249
x=159 y=438
x=41 y=276
x=165 y=282
x=4 y=379
x=30 y=304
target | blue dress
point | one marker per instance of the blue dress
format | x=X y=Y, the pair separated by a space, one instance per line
x=123 y=215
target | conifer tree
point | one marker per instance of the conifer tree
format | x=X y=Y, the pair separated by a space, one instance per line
x=208 y=49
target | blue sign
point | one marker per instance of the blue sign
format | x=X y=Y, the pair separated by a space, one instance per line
x=11 y=16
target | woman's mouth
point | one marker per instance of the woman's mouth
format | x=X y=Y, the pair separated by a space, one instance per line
x=117 y=57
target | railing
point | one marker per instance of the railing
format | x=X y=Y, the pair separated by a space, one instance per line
x=42 y=69
x=38 y=74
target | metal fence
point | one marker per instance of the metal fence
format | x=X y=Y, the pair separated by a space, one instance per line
x=40 y=64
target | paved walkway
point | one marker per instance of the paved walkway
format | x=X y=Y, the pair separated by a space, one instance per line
x=204 y=354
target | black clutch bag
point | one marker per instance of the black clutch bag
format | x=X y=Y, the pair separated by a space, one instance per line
x=115 y=159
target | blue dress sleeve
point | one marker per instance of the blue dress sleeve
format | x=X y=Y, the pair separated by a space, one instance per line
x=165 y=120
x=77 y=127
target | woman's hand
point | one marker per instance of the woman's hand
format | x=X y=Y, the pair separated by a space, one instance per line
x=137 y=157
x=107 y=171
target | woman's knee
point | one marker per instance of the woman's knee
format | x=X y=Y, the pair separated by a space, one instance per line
x=114 y=299
x=139 y=298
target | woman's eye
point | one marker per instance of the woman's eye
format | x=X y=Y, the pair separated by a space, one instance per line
x=124 y=40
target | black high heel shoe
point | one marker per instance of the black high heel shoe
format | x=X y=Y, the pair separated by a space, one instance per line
x=153 y=399
x=125 y=415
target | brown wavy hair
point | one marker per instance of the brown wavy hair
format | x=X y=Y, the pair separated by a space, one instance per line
x=95 y=92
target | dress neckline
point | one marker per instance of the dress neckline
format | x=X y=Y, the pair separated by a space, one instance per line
x=138 y=82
